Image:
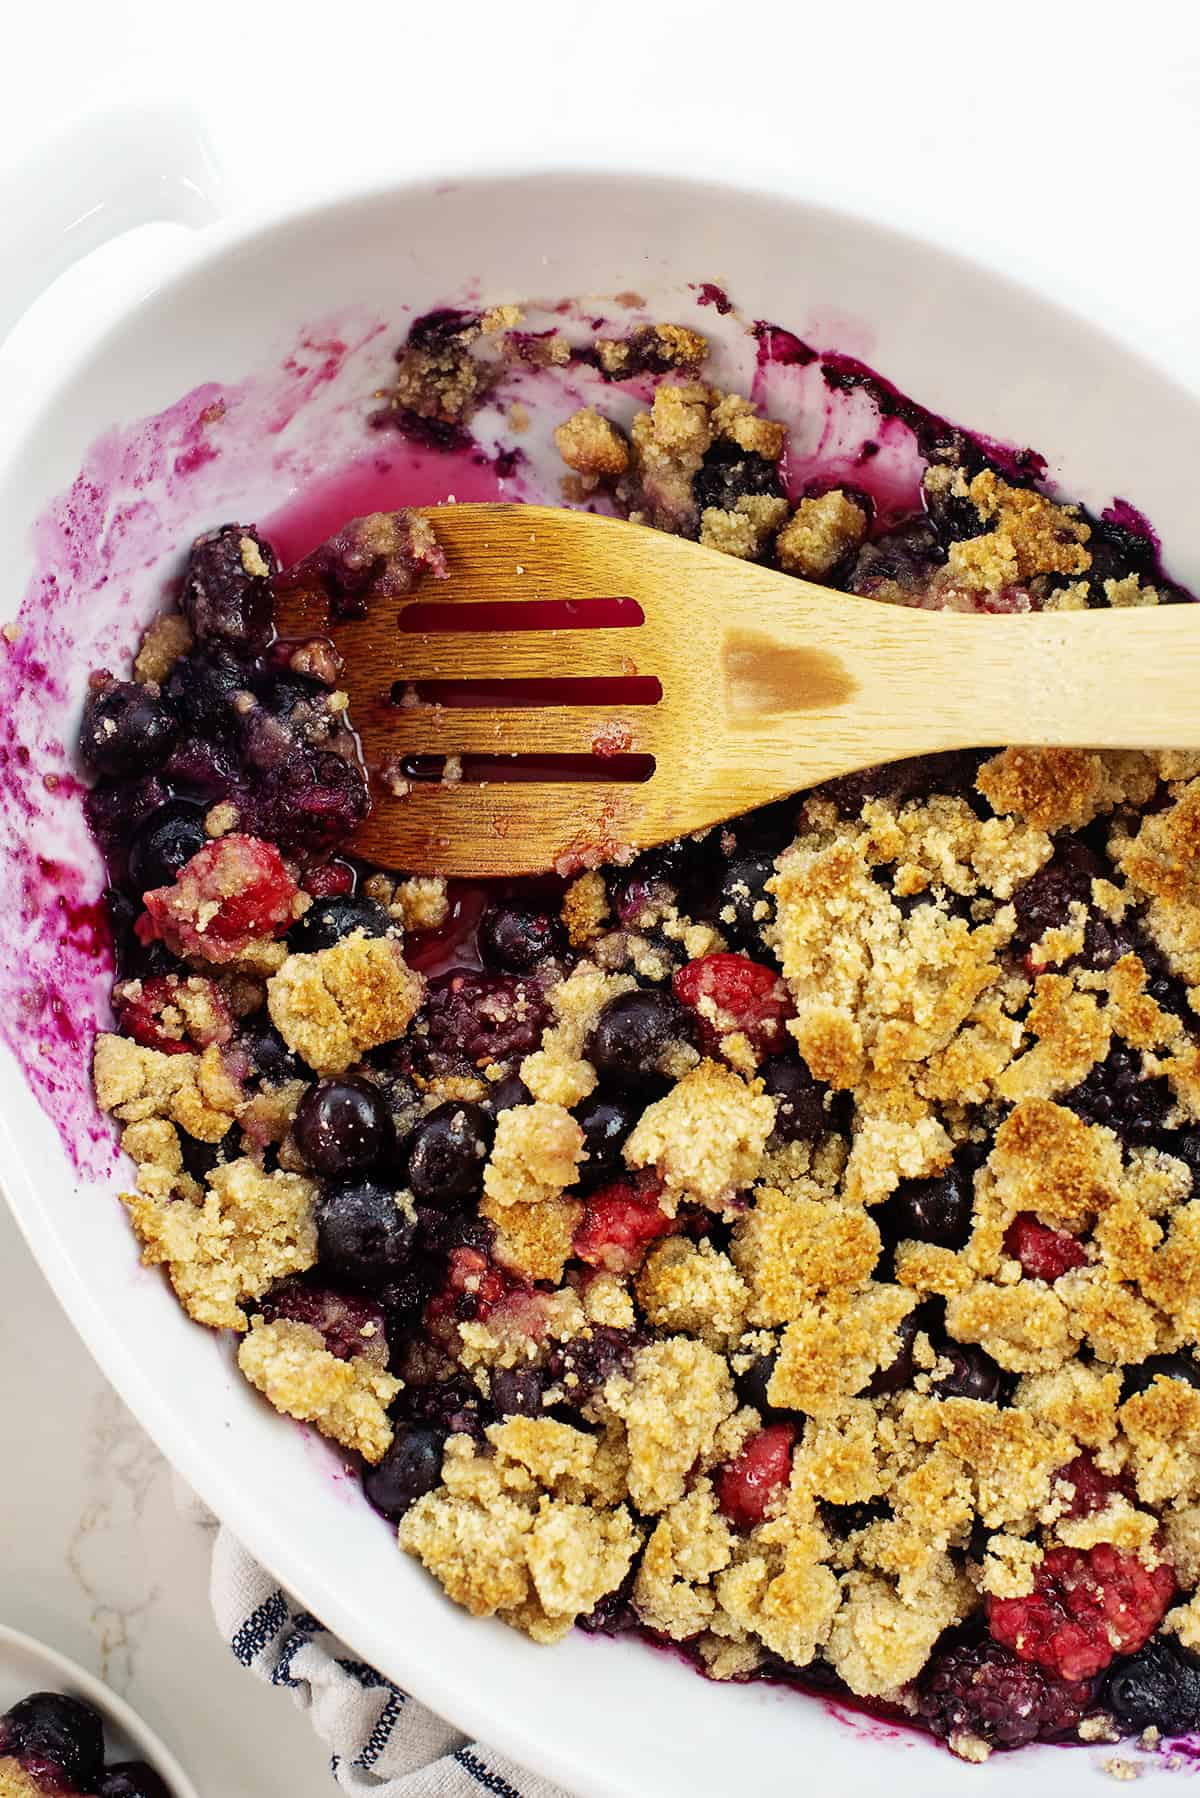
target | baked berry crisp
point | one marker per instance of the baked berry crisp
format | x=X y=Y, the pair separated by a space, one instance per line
x=782 y=1242
x=52 y=1746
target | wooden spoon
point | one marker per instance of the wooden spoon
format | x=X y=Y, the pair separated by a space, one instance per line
x=768 y=685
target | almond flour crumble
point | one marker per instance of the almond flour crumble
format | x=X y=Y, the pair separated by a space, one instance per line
x=784 y=1243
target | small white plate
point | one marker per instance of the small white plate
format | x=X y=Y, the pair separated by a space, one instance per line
x=28 y=1666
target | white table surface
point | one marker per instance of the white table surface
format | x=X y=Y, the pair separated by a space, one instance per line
x=1059 y=141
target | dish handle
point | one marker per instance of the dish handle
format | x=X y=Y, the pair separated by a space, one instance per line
x=130 y=165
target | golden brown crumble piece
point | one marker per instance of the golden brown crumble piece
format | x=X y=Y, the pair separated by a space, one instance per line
x=706 y=1137
x=167 y=638
x=1162 y=864
x=877 y=1642
x=687 y=1286
x=249 y=1230
x=834 y=1343
x=422 y=901
x=1055 y=789
x=533 y=1240
x=585 y=909
x=691 y=1541
x=346 y=1400
x=819 y=533
x=155 y=1147
x=535 y=1155
x=441 y=381
x=592 y=445
x=735 y=419
x=500 y=1538
x=1025 y=1328
x=1029 y=535
x=197 y=1092
x=333 y=1005
x=790 y=1248
x=669 y=442
x=672 y=1403
x=744 y=530
x=15 y=1782
x=665 y=346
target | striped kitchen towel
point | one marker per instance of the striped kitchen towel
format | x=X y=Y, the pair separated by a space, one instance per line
x=382 y=1743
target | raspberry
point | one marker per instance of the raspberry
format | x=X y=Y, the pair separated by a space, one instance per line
x=476 y=1280
x=982 y=1690
x=1087 y=1606
x=173 y=1015
x=747 y=1485
x=1044 y=1254
x=331 y=880
x=731 y=992
x=620 y=1221
x=1093 y=1489
x=229 y=895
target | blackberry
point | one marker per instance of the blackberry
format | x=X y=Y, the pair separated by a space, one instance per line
x=226 y=594
x=981 y=1689
x=1043 y=902
x=1117 y=1094
x=729 y=474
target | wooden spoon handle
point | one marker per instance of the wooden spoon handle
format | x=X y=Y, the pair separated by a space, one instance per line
x=890 y=681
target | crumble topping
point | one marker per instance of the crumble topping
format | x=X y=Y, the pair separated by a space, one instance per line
x=819 y=533
x=591 y=445
x=535 y=1155
x=331 y=1006
x=706 y=1138
x=248 y=1230
x=347 y=1400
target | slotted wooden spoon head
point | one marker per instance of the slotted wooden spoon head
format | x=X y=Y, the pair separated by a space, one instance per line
x=661 y=687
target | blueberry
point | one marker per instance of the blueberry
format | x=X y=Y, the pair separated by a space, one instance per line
x=362 y=1235
x=907 y=557
x=972 y=1374
x=327 y=921
x=1170 y=1367
x=632 y=1035
x=115 y=809
x=163 y=842
x=66 y=1731
x=126 y=728
x=200 y=1158
x=800 y=1114
x=952 y=515
x=743 y=906
x=411 y=1467
x=273 y=1060
x=900 y=1370
x=937 y=1210
x=517 y=935
x=131 y=1779
x=752 y=1385
x=446 y=1153
x=503 y=1095
x=844 y=1520
x=606 y=1119
x=343 y=1127
x=1159 y=1688
x=226 y=595
x=203 y=688
x=517 y=1392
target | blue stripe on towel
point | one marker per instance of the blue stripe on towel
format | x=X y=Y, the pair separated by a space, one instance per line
x=380 y=1736
x=259 y=1627
x=483 y=1776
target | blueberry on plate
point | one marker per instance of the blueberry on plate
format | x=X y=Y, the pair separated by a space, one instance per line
x=163 y=842
x=363 y=1237
x=1158 y=1687
x=327 y=921
x=343 y=1126
x=519 y=934
x=49 y=1726
x=606 y=1119
x=411 y=1467
x=126 y=728
x=632 y=1035
x=446 y=1153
